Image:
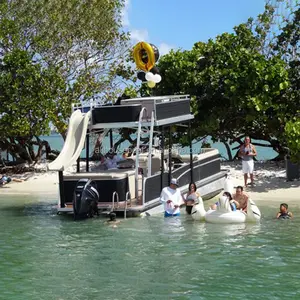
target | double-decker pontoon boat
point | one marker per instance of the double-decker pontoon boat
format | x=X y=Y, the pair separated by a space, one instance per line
x=134 y=188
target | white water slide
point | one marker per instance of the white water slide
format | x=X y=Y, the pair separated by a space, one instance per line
x=74 y=142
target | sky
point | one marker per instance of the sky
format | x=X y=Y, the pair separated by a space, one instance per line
x=180 y=23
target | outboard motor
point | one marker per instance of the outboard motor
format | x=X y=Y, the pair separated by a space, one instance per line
x=85 y=199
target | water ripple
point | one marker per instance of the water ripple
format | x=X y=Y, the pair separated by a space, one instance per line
x=49 y=257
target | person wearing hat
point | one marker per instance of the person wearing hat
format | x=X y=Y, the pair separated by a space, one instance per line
x=171 y=198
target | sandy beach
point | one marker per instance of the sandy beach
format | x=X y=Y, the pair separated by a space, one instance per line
x=270 y=182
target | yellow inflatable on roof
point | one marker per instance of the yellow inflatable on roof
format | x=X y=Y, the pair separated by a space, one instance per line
x=138 y=53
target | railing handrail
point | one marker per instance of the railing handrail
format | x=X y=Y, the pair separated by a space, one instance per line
x=127 y=197
x=138 y=151
x=113 y=199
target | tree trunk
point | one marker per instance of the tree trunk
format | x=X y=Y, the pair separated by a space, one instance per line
x=228 y=150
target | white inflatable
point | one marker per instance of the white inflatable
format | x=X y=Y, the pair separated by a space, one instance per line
x=228 y=185
x=224 y=213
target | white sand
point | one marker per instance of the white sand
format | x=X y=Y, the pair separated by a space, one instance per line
x=271 y=185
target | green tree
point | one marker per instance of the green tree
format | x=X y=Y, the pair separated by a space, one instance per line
x=81 y=41
x=27 y=96
x=232 y=85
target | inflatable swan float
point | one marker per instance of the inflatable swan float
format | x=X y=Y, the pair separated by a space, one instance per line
x=224 y=213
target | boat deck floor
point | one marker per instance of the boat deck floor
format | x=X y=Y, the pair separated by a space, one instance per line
x=133 y=203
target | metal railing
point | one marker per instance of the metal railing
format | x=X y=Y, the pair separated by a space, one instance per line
x=115 y=194
x=128 y=197
x=138 y=149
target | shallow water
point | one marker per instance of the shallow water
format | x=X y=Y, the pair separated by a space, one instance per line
x=45 y=256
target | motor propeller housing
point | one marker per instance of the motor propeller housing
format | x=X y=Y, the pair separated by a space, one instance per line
x=85 y=199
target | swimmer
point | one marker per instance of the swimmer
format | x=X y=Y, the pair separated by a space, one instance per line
x=284 y=213
x=113 y=220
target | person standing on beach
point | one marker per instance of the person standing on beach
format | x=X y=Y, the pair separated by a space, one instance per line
x=247 y=152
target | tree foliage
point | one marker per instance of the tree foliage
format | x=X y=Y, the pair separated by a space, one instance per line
x=65 y=52
x=241 y=83
x=231 y=83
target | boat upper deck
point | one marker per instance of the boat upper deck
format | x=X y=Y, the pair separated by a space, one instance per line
x=162 y=110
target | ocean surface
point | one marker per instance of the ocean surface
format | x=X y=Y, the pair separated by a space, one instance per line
x=264 y=153
x=44 y=256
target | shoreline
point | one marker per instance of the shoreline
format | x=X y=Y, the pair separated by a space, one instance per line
x=270 y=182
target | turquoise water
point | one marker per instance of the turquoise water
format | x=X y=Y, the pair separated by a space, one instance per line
x=45 y=256
x=264 y=153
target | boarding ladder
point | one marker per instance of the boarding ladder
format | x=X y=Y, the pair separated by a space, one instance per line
x=114 y=195
x=128 y=197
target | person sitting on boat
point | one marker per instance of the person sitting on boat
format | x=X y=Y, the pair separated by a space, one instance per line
x=112 y=159
x=240 y=198
x=284 y=213
x=192 y=198
x=171 y=198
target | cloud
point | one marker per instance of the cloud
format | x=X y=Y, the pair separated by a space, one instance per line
x=138 y=35
x=124 y=13
x=164 y=48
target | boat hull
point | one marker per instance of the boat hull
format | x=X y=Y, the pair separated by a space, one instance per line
x=208 y=188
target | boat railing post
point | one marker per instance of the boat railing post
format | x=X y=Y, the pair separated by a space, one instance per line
x=162 y=149
x=170 y=154
x=191 y=153
x=138 y=152
x=128 y=197
x=87 y=151
x=61 y=189
x=115 y=194
x=150 y=145
x=117 y=199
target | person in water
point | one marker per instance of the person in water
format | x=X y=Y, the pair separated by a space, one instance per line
x=284 y=213
x=192 y=198
x=171 y=198
x=113 y=220
x=228 y=197
x=240 y=198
